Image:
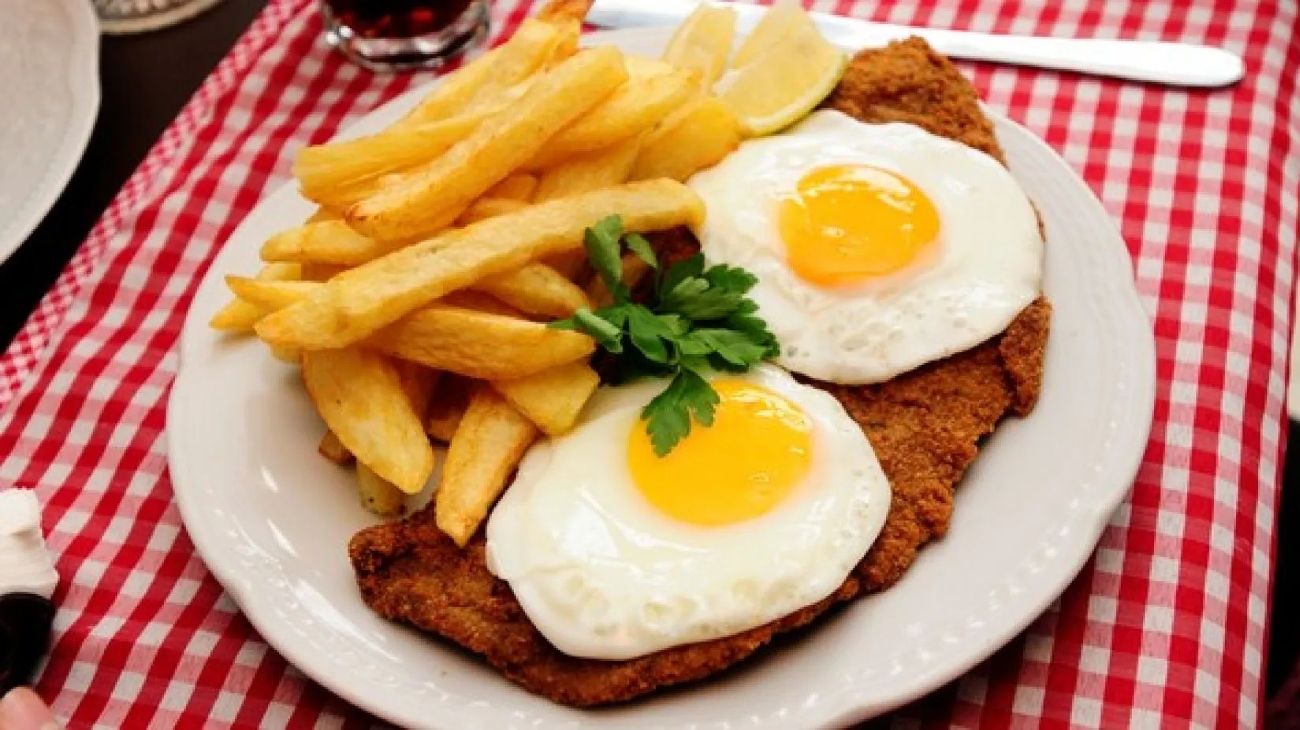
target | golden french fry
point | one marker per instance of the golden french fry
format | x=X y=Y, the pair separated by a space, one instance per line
x=571 y=264
x=318 y=272
x=479 y=301
x=431 y=196
x=359 y=395
x=552 y=399
x=360 y=301
x=589 y=171
x=418 y=382
x=332 y=449
x=270 y=295
x=378 y=495
x=486 y=207
x=325 y=170
x=702 y=43
x=237 y=316
x=633 y=269
x=454 y=93
x=286 y=353
x=325 y=242
x=447 y=407
x=634 y=108
x=488 y=81
x=479 y=344
x=697 y=136
x=284 y=271
x=519 y=186
x=536 y=289
x=488 y=443
x=564 y=10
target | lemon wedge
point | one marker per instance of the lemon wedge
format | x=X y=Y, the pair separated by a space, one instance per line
x=784 y=20
x=703 y=42
x=783 y=82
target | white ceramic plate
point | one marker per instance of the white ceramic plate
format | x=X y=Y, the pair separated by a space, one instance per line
x=49 y=79
x=272 y=519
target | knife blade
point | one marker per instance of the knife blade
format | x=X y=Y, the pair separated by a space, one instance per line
x=1163 y=62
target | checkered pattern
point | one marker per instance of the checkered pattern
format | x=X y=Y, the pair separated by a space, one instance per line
x=1165 y=626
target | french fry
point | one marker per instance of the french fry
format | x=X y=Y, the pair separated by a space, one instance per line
x=418 y=382
x=589 y=171
x=360 y=301
x=536 y=289
x=324 y=170
x=318 y=272
x=533 y=288
x=487 y=207
x=479 y=301
x=454 y=93
x=519 y=186
x=564 y=10
x=634 y=108
x=479 y=344
x=280 y=272
x=447 y=406
x=237 y=316
x=486 y=81
x=633 y=269
x=325 y=242
x=359 y=395
x=430 y=196
x=697 y=136
x=552 y=399
x=287 y=354
x=270 y=295
x=489 y=442
x=332 y=449
x=378 y=495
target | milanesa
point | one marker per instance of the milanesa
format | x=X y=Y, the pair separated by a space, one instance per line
x=925 y=427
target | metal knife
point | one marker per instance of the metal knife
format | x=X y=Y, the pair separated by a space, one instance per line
x=1177 y=64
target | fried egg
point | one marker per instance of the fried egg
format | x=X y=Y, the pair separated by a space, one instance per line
x=878 y=247
x=614 y=552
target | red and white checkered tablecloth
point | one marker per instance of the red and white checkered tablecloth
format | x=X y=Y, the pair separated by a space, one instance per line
x=1165 y=626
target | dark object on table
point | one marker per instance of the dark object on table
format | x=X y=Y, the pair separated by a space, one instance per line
x=25 y=623
x=387 y=35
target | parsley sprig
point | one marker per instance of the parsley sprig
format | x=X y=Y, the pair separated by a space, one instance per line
x=697 y=320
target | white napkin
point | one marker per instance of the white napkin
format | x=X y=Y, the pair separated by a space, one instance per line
x=25 y=564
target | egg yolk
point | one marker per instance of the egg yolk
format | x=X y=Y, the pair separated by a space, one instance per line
x=848 y=223
x=757 y=450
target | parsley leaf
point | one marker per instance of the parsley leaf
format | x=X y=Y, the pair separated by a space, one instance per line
x=601 y=242
x=603 y=331
x=668 y=415
x=697 y=320
x=637 y=244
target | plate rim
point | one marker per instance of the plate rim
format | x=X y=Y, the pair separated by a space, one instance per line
x=83 y=84
x=859 y=705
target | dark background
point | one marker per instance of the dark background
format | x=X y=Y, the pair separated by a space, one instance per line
x=146 y=79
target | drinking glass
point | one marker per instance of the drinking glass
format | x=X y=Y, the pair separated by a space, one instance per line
x=385 y=35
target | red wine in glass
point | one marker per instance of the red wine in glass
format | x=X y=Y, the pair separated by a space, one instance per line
x=395 y=34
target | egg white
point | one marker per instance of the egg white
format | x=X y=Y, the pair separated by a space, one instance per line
x=602 y=574
x=986 y=268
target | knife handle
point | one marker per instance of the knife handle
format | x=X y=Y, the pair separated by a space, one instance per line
x=1182 y=64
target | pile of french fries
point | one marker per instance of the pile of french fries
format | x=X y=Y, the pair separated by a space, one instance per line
x=415 y=299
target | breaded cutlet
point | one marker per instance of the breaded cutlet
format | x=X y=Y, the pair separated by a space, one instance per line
x=925 y=427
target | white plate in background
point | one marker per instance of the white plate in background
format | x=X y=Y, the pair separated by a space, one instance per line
x=49 y=81
x=272 y=519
